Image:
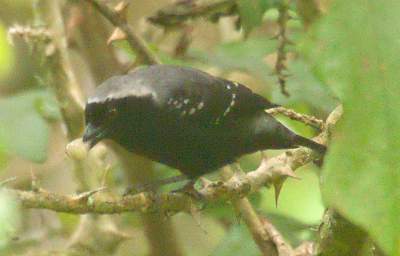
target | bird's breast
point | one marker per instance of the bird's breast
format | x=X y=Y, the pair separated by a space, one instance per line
x=194 y=150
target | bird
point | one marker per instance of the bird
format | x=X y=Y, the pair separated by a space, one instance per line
x=185 y=118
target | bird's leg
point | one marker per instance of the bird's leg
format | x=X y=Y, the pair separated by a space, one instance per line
x=152 y=186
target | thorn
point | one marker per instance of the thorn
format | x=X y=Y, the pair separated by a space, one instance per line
x=105 y=173
x=6 y=181
x=116 y=35
x=289 y=173
x=121 y=9
x=86 y=195
x=204 y=182
x=277 y=188
x=34 y=181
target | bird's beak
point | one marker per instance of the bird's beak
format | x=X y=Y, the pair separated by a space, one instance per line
x=93 y=135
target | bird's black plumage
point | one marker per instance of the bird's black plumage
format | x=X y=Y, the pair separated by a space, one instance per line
x=185 y=118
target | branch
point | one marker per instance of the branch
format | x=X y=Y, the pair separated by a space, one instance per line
x=29 y=33
x=308 y=120
x=245 y=210
x=280 y=64
x=177 y=13
x=144 y=54
x=270 y=170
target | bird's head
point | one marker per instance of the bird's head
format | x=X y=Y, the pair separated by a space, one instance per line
x=100 y=118
x=103 y=112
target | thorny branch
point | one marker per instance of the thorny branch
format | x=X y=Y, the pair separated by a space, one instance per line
x=283 y=41
x=29 y=33
x=308 y=120
x=145 y=56
x=270 y=171
x=181 y=11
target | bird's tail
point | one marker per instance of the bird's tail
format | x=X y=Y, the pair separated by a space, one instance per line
x=302 y=141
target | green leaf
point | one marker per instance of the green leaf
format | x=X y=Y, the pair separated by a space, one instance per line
x=245 y=55
x=23 y=129
x=359 y=49
x=251 y=13
x=238 y=241
x=305 y=88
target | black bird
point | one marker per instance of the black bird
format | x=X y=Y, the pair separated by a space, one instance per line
x=185 y=119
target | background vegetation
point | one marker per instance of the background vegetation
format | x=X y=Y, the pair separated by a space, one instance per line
x=307 y=55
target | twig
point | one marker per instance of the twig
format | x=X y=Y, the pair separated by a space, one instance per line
x=280 y=65
x=29 y=33
x=86 y=195
x=283 y=248
x=7 y=181
x=246 y=211
x=177 y=13
x=144 y=54
x=68 y=92
x=308 y=120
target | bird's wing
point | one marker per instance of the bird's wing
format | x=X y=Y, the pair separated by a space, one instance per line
x=212 y=103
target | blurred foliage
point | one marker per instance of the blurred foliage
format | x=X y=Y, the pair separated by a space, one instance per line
x=295 y=194
x=9 y=218
x=23 y=126
x=243 y=55
x=238 y=241
x=251 y=13
x=6 y=54
x=356 y=53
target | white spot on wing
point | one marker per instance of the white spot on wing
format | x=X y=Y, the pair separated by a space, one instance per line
x=231 y=104
x=192 y=110
x=200 y=106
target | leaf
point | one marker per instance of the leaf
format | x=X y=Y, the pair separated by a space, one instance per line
x=245 y=55
x=305 y=88
x=251 y=13
x=238 y=241
x=23 y=129
x=358 y=50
